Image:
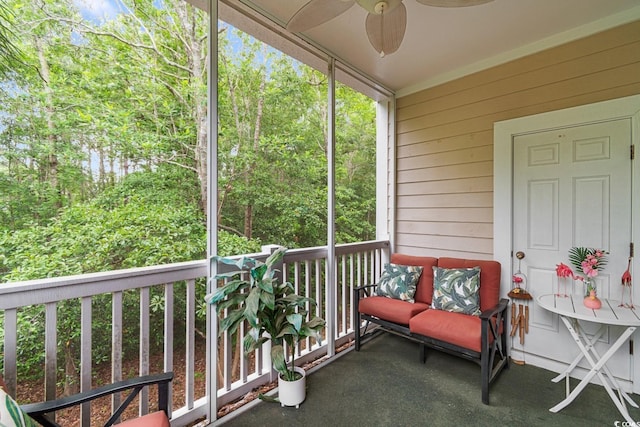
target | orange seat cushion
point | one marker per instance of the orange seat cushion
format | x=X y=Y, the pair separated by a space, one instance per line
x=154 y=419
x=459 y=329
x=393 y=310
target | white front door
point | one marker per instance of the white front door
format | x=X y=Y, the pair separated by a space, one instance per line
x=572 y=187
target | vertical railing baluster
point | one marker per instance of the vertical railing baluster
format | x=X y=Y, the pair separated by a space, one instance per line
x=144 y=348
x=50 y=350
x=343 y=309
x=320 y=286
x=85 y=357
x=366 y=268
x=244 y=360
x=297 y=290
x=359 y=269
x=372 y=270
x=380 y=262
x=190 y=346
x=262 y=360
x=10 y=350
x=354 y=281
x=116 y=345
x=190 y=350
x=319 y=296
x=227 y=355
x=168 y=336
x=245 y=363
x=308 y=292
x=226 y=360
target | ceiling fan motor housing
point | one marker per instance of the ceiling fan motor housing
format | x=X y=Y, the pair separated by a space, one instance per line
x=378 y=7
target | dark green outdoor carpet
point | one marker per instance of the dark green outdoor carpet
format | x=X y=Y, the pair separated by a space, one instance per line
x=385 y=385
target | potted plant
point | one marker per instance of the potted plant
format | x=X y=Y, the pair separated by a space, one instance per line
x=273 y=311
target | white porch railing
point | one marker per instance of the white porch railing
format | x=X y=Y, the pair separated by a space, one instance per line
x=356 y=264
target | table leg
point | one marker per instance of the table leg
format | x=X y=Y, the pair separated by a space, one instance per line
x=614 y=382
x=580 y=356
x=596 y=368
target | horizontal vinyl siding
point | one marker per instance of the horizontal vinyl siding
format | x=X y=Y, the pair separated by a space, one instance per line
x=444 y=153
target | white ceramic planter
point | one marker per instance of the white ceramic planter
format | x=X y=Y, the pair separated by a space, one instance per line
x=292 y=393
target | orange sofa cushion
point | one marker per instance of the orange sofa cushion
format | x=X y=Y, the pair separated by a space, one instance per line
x=459 y=329
x=424 y=288
x=392 y=310
x=154 y=419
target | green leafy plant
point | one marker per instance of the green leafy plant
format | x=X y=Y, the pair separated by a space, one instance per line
x=588 y=260
x=272 y=309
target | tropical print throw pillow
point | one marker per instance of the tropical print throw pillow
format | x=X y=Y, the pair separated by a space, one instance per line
x=457 y=290
x=11 y=415
x=399 y=281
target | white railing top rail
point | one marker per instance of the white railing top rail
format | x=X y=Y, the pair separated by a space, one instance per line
x=319 y=252
x=41 y=291
x=53 y=289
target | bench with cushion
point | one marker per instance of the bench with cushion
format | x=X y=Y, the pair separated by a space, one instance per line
x=448 y=304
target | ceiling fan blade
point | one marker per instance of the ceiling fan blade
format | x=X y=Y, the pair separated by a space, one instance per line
x=453 y=3
x=317 y=12
x=386 y=31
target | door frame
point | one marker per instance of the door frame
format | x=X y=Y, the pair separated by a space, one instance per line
x=504 y=134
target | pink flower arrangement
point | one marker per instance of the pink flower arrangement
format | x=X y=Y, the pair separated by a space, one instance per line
x=517 y=280
x=590 y=265
x=588 y=260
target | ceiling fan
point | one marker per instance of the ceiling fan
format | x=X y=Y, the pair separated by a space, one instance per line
x=385 y=23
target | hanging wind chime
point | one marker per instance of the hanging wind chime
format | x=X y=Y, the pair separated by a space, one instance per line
x=520 y=296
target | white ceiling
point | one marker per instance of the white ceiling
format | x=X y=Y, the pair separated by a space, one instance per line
x=444 y=43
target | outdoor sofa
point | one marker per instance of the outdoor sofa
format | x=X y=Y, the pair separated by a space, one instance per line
x=465 y=316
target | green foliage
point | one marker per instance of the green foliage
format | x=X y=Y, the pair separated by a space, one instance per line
x=24 y=202
x=273 y=164
x=129 y=226
x=9 y=52
x=231 y=244
x=102 y=141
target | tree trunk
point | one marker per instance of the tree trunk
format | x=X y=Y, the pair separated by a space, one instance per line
x=248 y=221
x=197 y=63
x=257 y=131
x=51 y=162
x=102 y=175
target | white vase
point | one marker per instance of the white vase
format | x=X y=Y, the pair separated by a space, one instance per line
x=292 y=393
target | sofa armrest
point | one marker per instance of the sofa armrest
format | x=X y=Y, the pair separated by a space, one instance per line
x=37 y=411
x=494 y=351
x=364 y=290
x=492 y=312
